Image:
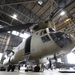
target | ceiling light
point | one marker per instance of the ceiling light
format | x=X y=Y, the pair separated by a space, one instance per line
x=14 y=16
x=9 y=32
x=62 y=13
x=40 y=2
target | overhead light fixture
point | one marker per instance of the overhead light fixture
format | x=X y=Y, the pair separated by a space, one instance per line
x=15 y=33
x=14 y=16
x=9 y=32
x=40 y=2
x=62 y=13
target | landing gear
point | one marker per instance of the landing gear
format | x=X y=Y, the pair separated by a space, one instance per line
x=50 y=65
x=41 y=67
x=18 y=67
x=55 y=58
x=11 y=68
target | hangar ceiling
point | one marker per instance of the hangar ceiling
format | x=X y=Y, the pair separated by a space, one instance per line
x=26 y=11
x=30 y=11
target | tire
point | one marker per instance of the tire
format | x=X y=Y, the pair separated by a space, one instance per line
x=26 y=70
x=13 y=68
x=9 y=68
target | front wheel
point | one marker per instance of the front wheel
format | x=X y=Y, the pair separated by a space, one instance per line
x=11 y=68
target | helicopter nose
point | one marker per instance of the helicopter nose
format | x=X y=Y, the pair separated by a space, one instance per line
x=65 y=40
x=62 y=39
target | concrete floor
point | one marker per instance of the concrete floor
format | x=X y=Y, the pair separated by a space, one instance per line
x=46 y=72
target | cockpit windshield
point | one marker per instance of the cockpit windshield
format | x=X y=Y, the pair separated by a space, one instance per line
x=61 y=39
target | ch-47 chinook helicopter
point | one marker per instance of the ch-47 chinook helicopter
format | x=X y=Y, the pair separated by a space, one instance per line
x=41 y=43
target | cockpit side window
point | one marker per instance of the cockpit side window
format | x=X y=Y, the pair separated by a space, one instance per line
x=43 y=32
x=45 y=38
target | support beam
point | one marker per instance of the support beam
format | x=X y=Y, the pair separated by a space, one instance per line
x=11 y=16
x=7 y=43
x=18 y=2
x=6 y=23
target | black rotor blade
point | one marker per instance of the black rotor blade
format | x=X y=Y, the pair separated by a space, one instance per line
x=17 y=27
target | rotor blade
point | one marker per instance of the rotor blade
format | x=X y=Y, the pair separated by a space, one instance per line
x=17 y=2
x=17 y=27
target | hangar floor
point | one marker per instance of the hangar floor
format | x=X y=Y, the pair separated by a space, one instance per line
x=46 y=72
